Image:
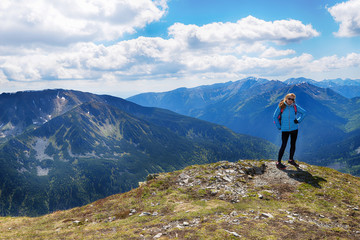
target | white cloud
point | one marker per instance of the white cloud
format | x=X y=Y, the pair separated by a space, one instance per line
x=272 y=52
x=273 y=67
x=348 y=15
x=194 y=70
x=334 y=62
x=192 y=56
x=247 y=48
x=245 y=30
x=62 y=22
x=3 y=78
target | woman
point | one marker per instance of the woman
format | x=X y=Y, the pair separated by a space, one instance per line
x=287 y=116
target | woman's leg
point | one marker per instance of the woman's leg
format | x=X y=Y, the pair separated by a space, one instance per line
x=284 y=139
x=294 y=135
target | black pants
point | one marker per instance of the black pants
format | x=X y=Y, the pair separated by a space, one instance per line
x=284 y=138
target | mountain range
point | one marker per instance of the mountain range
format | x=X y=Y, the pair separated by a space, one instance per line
x=347 y=87
x=61 y=148
x=329 y=135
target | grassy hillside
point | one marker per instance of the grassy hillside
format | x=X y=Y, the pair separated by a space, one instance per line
x=223 y=200
x=96 y=150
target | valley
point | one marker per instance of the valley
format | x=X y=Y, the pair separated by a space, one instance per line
x=246 y=106
x=94 y=146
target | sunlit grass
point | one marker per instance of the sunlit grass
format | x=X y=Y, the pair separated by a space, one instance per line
x=193 y=213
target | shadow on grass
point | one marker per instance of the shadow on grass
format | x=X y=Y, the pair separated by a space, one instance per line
x=304 y=176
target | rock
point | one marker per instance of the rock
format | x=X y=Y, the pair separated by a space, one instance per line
x=133 y=210
x=184 y=176
x=233 y=233
x=213 y=192
x=253 y=170
x=196 y=221
x=77 y=222
x=144 y=214
x=222 y=196
x=179 y=226
x=167 y=226
x=186 y=223
x=249 y=170
x=233 y=213
x=261 y=169
x=155 y=214
x=226 y=179
x=267 y=215
x=157 y=236
x=151 y=176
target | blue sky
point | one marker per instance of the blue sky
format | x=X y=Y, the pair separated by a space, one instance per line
x=124 y=47
x=314 y=12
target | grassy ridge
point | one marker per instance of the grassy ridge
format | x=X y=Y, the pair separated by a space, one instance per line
x=199 y=202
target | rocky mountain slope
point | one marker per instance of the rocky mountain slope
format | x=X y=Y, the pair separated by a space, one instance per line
x=223 y=200
x=349 y=88
x=96 y=146
x=22 y=110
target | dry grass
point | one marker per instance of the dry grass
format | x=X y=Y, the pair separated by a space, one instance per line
x=325 y=206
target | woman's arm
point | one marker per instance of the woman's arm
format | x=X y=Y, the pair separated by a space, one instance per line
x=302 y=113
x=276 y=117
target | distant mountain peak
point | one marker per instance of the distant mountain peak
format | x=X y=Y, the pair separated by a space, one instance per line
x=251 y=78
x=299 y=80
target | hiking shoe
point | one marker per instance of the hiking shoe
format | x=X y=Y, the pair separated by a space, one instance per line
x=292 y=162
x=281 y=166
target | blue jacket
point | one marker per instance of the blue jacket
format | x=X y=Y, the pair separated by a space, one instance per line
x=288 y=116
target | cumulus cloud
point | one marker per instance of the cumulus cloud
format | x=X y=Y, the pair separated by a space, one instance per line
x=272 y=52
x=3 y=78
x=191 y=55
x=248 y=29
x=128 y=59
x=334 y=62
x=157 y=58
x=65 y=21
x=348 y=15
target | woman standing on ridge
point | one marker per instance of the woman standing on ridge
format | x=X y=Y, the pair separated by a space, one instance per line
x=287 y=116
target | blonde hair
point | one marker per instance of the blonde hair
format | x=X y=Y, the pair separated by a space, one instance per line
x=282 y=102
